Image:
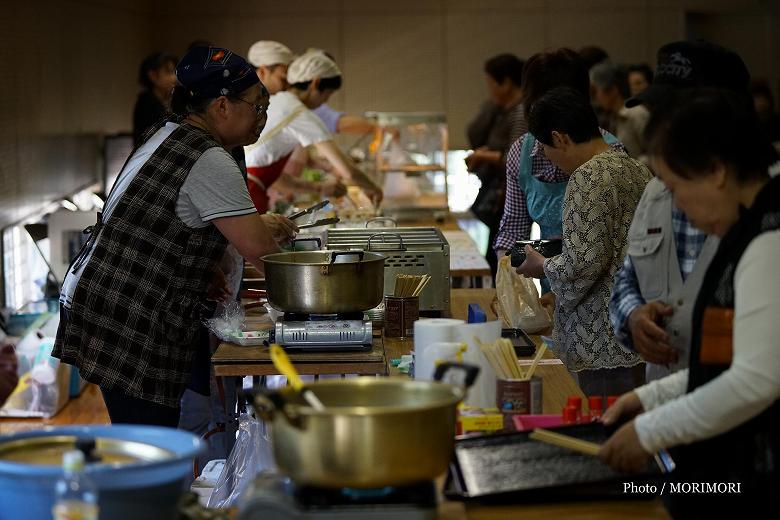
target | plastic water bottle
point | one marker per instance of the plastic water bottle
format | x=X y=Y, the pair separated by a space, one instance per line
x=76 y=494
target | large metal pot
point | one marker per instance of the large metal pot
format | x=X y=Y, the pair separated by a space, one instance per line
x=324 y=282
x=374 y=432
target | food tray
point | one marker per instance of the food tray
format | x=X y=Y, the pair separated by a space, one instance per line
x=249 y=338
x=511 y=468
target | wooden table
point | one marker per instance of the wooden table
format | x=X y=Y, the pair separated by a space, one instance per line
x=87 y=408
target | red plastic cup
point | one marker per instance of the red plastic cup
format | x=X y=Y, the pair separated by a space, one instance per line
x=570 y=415
x=595 y=406
x=611 y=400
x=573 y=400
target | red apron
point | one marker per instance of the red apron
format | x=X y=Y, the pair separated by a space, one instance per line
x=260 y=178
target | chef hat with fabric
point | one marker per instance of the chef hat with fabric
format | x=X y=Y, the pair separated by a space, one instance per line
x=209 y=72
x=267 y=53
x=312 y=64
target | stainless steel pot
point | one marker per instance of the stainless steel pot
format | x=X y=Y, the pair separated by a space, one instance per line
x=374 y=432
x=324 y=282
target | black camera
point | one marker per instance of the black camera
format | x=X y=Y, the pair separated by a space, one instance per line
x=546 y=248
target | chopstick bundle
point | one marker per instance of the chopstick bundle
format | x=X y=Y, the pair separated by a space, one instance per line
x=501 y=356
x=565 y=441
x=407 y=285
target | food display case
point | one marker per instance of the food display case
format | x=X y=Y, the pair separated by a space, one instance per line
x=409 y=156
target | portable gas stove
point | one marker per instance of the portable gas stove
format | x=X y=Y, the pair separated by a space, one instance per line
x=273 y=497
x=323 y=332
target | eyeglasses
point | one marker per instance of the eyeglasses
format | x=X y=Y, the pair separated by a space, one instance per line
x=259 y=109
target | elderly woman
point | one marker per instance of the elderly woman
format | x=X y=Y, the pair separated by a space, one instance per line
x=722 y=412
x=604 y=188
x=535 y=187
x=135 y=295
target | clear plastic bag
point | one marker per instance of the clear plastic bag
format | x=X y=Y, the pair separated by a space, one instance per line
x=251 y=455
x=518 y=299
x=44 y=382
x=228 y=322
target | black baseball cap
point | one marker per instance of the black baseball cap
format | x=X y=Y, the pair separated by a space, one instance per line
x=209 y=72
x=687 y=64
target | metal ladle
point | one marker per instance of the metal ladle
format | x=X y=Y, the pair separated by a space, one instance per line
x=283 y=364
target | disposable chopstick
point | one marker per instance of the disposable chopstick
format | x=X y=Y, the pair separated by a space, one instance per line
x=565 y=441
x=539 y=353
x=507 y=351
x=421 y=285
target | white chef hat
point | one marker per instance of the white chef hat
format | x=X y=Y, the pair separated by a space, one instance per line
x=268 y=52
x=312 y=64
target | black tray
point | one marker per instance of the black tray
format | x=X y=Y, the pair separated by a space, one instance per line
x=511 y=468
x=523 y=345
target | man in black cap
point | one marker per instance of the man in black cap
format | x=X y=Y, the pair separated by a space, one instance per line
x=652 y=300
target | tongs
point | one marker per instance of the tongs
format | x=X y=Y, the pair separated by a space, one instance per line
x=310 y=210
x=321 y=222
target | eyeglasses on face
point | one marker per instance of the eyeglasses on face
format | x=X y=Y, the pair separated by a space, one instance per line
x=259 y=109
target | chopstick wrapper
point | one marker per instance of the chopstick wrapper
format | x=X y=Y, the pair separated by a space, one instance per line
x=482 y=393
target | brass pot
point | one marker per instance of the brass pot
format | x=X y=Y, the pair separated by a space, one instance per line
x=374 y=432
x=324 y=282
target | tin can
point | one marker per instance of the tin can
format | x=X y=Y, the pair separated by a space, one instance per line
x=400 y=315
x=524 y=396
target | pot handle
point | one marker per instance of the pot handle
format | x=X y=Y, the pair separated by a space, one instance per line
x=267 y=403
x=310 y=239
x=334 y=254
x=382 y=219
x=470 y=372
x=383 y=235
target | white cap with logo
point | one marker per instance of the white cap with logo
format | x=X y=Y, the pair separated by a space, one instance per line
x=312 y=64
x=267 y=52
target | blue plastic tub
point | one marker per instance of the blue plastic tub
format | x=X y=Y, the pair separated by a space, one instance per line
x=133 y=491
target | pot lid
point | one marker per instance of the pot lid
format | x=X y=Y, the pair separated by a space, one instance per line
x=49 y=449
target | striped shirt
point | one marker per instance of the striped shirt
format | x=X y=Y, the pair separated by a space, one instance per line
x=626 y=295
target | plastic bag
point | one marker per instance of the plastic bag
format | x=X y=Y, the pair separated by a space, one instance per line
x=251 y=455
x=44 y=382
x=228 y=321
x=518 y=299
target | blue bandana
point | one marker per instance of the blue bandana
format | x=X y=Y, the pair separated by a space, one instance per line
x=210 y=72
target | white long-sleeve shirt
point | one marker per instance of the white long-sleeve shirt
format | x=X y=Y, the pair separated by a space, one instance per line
x=752 y=382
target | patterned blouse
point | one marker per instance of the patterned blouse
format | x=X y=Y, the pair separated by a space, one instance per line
x=598 y=207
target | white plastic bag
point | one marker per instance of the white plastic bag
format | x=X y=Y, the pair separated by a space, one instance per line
x=518 y=299
x=251 y=455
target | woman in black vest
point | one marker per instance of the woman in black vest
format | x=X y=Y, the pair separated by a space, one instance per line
x=722 y=414
x=136 y=294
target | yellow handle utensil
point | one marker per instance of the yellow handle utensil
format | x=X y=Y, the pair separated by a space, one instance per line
x=283 y=364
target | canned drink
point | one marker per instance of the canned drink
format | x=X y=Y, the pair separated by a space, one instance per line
x=400 y=314
x=519 y=396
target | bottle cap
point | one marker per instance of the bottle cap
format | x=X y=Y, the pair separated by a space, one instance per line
x=595 y=404
x=73 y=460
x=570 y=414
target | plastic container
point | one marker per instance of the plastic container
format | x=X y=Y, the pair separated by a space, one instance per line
x=525 y=422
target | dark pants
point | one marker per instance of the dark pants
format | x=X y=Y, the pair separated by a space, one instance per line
x=123 y=409
x=610 y=381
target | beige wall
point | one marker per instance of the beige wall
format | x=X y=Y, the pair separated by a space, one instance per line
x=68 y=75
x=69 y=69
x=428 y=54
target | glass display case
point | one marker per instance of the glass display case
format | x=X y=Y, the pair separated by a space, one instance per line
x=409 y=155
